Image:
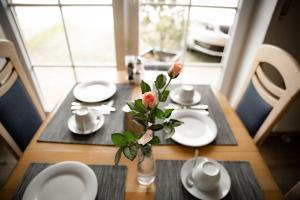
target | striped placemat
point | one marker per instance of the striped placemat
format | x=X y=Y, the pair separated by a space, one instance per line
x=57 y=129
x=111 y=180
x=243 y=182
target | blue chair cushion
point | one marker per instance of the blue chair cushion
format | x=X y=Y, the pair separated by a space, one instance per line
x=18 y=114
x=253 y=110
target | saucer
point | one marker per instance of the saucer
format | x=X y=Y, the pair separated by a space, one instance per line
x=99 y=121
x=175 y=96
x=218 y=193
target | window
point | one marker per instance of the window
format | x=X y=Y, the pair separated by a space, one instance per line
x=195 y=31
x=69 y=41
x=64 y=36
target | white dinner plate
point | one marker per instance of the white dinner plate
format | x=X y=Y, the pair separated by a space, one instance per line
x=197 y=130
x=98 y=123
x=67 y=180
x=175 y=96
x=94 y=91
x=220 y=192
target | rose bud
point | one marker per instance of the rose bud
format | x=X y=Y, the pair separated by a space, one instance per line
x=175 y=70
x=147 y=137
x=149 y=99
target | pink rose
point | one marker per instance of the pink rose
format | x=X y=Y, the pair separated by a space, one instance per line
x=149 y=99
x=147 y=137
x=175 y=70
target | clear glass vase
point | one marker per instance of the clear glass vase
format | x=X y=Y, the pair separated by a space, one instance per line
x=145 y=166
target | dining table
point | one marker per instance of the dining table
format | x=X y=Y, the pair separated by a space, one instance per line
x=54 y=152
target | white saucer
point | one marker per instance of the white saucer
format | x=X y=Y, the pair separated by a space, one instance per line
x=99 y=121
x=219 y=193
x=175 y=96
x=197 y=130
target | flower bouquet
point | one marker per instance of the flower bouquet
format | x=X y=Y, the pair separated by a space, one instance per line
x=146 y=111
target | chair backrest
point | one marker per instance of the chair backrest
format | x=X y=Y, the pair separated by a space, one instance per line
x=262 y=102
x=21 y=113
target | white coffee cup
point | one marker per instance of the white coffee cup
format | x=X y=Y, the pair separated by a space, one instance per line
x=186 y=93
x=206 y=175
x=84 y=119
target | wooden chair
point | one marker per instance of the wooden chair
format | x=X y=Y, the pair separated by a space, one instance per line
x=21 y=112
x=262 y=102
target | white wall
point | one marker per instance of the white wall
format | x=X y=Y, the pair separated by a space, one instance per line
x=284 y=32
x=255 y=36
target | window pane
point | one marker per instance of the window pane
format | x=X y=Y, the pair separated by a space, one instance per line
x=35 y=1
x=167 y=1
x=208 y=33
x=86 y=1
x=44 y=35
x=223 y=3
x=54 y=82
x=91 y=34
x=162 y=28
x=96 y=73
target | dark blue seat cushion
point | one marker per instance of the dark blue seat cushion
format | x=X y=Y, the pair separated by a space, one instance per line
x=18 y=114
x=253 y=110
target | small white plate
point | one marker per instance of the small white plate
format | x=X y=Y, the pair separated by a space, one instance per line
x=197 y=130
x=63 y=181
x=94 y=91
x=99 y=121
x=219 y=193
x=175 y=96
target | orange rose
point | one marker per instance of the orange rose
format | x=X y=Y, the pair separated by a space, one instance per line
x=175 y=70
x=147 y=137
x=149 y=99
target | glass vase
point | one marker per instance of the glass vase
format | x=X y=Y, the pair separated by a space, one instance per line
x=145 y=166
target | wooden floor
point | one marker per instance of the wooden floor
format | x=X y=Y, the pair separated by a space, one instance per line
x=281 y=157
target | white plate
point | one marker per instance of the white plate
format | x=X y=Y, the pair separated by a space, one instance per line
x=219 y=193
x=94 y=91
x=175 y=96
x=99 y=121
x=63 y=181
x=197 y=130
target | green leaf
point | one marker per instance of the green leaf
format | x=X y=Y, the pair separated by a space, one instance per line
x=119 y=139
x=168 y=113
x=131 y=105
x=164 y=96
x=131 y=137
x=145 y=87
x=139 y=106
x=139 y=122
x=156 y=127
x=155 y=140
x=118 y=156
x=169 y=131
x=159 y=113
x=175 y=122
x=160 y=81
x=130 y=152
x=141 y=117
x=152 y=116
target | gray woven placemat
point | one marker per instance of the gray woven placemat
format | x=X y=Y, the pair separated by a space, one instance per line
x=111 y=180
x=57 y=129
x=169 y=186
x=224 y=135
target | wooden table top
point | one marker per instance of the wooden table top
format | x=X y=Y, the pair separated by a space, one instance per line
x=246 y=150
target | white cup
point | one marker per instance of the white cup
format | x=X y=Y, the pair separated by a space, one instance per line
x=84 y=119
x=206 y=175
x=187 y=93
